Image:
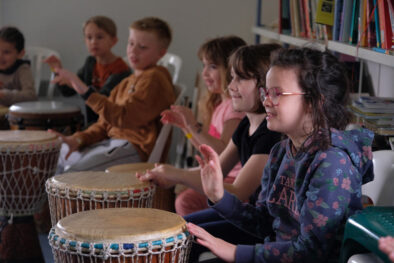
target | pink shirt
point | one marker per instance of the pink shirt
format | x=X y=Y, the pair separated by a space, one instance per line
x=222 y=113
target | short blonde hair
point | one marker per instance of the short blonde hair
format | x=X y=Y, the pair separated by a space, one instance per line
x=157 y=26
x=102 y=22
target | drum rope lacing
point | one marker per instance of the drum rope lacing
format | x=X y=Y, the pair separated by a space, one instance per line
x=181 y=242
x=23 y=172
x=64 y=201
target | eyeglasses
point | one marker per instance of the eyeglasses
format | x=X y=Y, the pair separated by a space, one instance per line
x=274 y=94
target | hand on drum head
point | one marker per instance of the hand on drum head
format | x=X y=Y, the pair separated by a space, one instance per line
x=211 y=173
x=72 y=143
x=219 y=247
x=160 y=175
x=53 y=62
x=69 y=78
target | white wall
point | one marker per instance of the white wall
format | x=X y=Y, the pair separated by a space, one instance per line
x=57 y=24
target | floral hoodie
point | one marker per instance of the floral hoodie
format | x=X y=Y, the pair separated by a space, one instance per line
x=305 y=200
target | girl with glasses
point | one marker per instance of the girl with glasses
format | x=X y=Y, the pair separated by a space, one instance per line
x=312 y=181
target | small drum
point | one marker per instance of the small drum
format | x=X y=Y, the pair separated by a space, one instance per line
x=164 y=198
x=3 y=120
x=75 y=192
x=137 y=235
x=43 y=115
x=28 y=159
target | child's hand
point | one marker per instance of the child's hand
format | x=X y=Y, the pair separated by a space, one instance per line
x=211 y=173
x=72 y=143
x=386 y=244
x=64 y=76
x=179 y=116
x=219 y=247
x=53 y=62
x=171 y=117
x=160 y=175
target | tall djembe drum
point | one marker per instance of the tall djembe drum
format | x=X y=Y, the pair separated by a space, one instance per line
x=28 y=159
x=138 y=235
x=71 y=193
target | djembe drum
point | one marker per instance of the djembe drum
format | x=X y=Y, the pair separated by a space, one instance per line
x=70 y=193
x=28 y=159
x=138 y=235
x=164 y=198
x=43 y=115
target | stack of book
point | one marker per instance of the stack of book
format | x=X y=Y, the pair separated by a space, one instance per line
x=375 y=113
x=366 y=23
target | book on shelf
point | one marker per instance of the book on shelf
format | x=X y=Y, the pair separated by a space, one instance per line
x=353 y=33
x=284 y=21
x=377 y=102
x=325 y=12
x=362 y=23
x=391 y=15
x=308 y=18
x=346 y=20
x=377 y=27
x=337 y=19
x=371 y=29
x=362 y=109
x=370 y=115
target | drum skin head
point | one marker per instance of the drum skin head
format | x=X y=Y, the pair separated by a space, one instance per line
x=120 y=225
x=23 y=136
x=97 y=181
x=131 y=167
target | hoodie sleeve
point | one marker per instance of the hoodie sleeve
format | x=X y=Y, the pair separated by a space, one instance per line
x=332 y=194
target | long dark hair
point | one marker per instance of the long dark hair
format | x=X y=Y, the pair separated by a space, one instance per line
x=323 y=79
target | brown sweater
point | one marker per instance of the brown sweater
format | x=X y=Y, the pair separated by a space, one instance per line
x=132 y=111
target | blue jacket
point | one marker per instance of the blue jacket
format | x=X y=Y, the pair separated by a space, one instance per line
x=305 y=200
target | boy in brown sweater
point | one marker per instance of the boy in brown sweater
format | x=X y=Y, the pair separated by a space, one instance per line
x=128 y=123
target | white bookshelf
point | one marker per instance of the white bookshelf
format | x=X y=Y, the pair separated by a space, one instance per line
x=362 y=53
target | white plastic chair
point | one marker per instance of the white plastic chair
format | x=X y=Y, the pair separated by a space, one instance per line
x=165 y=131
x=171 y=60
x=37 y=55
x=380 y=190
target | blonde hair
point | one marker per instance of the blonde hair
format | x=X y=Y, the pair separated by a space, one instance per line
x=157 y=26
x=218 y=52
x=102 y=22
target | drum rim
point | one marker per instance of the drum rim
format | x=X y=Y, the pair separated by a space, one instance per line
x=63 y=227
x=53 y=138
x=55 y=186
